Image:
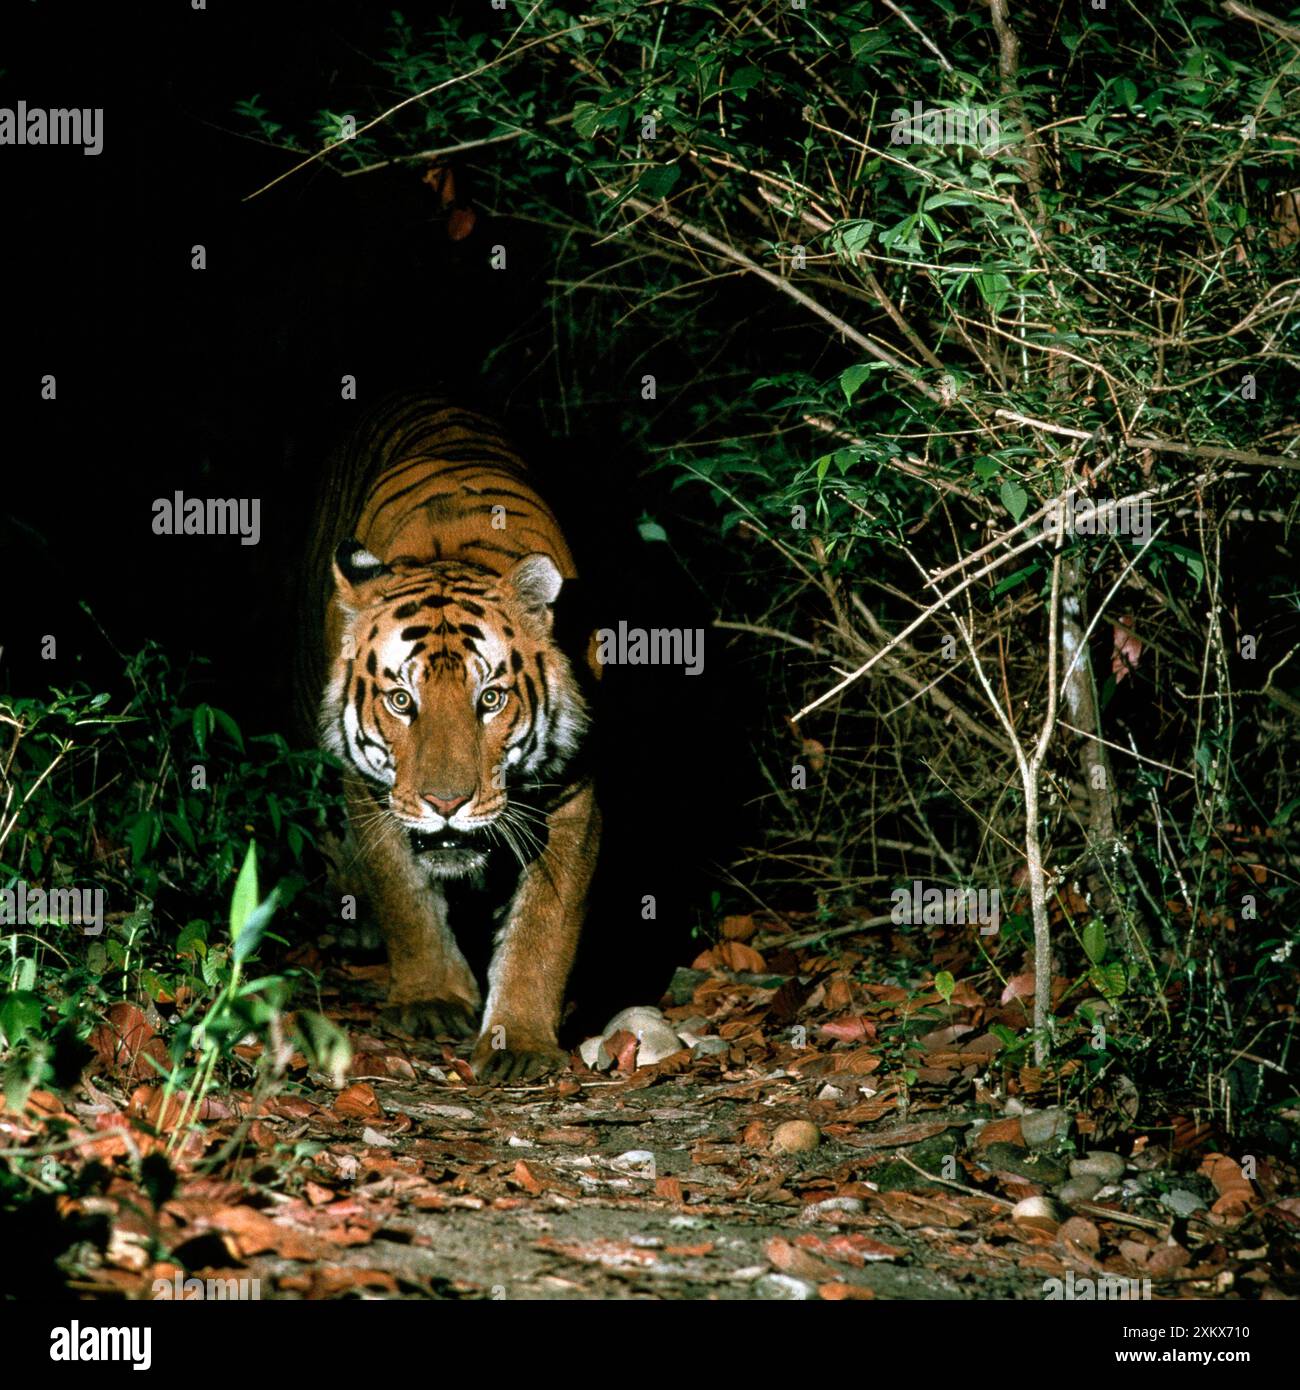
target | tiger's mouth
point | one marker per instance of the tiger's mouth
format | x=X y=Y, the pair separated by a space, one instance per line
x=449 y=853
x=446 y=841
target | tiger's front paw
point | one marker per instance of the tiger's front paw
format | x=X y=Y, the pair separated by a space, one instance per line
x=431 y=1017
x=496 y=1063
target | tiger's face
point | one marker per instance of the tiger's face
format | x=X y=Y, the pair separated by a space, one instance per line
x=451 y=700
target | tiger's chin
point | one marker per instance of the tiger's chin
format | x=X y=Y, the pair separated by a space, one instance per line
x=448 y=853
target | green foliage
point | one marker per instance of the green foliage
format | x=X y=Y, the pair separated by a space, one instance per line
x=148 y=807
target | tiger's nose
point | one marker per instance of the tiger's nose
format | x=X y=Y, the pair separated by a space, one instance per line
x=446 y=803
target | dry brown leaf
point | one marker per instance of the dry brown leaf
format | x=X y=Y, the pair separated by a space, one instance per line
x=851 y=1029
x=789 y=1259
x=670 y=1189
x=853 y=1249
x=358 y=1102
x=735 y=955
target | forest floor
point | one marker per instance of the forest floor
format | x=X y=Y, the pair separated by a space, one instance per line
x=817 y=1135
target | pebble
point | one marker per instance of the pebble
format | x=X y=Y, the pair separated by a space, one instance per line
x=1042 y=1128
x=639 y=1162
x=450 y=1112
x=784 y=1287
x=1181 y=1202
x=1079 y=1189
x=1098 y=1163
x=796 y=1137
x=1041 y=1212
x=710 y=1047
x=1010 y=1158
x=831 y=1207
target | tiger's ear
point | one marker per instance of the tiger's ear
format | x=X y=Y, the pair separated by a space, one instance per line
x=353 y=565
x=536 y=580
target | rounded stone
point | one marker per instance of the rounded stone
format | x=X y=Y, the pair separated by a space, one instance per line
x=796 y=1137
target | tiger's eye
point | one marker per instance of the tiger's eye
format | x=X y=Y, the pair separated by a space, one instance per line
x=399 y=700
x=492 y=698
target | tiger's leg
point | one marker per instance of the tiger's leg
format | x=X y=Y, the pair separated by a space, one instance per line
x=535 y=950
x=430 y=988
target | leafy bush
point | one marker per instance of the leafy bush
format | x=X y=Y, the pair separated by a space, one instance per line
x=147 y=811
x=927 y=277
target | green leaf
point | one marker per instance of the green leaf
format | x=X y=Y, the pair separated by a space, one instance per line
x=245 y=897
x=851 y=379
x=1191 y=559
x=994 y=288
x=325 y=1044
x=20 y=1013
x=201 y=721
x=1094 y=940
x=1014 y=498
x=228 y=727
x=650 y=530
x=193 y=939
x=586 y=119
x=254 y=926
x=1126 y=90
x=142 y=836
x=854 y=237
x=1111 y=980
x=945 y=984
x=1017 y=577
x=659 y=183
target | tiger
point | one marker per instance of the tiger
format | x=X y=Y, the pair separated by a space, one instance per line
x=463 y=728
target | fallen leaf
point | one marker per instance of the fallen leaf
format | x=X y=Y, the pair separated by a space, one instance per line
x=358 y=1102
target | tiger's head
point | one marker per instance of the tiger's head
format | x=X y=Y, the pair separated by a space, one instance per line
x=450 y=698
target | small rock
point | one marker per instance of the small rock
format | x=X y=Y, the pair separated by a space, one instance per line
x=1181 y=1202
x=796 y=1137
x=710 y=1047
x=593 y=1054
x=652 y=1031
x=1082 y=1188
x=375 y=1139
x=517 y=1142
x=686 y=1223
x=1042 y=1128
x=1098 y=1163
x=1040 y=1212
x=640 y=1163
x=451 y=1112
x=829 y=1092
x=784 y=1287
x=831 y=1207
x=1008 y=1158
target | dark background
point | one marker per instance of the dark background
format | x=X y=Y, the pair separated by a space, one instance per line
x=226 y=383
